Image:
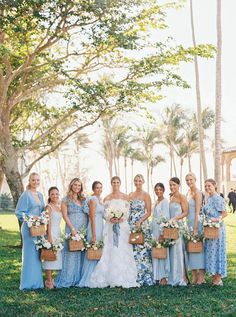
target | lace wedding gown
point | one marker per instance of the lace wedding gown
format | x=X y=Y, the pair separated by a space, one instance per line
x=117 y=265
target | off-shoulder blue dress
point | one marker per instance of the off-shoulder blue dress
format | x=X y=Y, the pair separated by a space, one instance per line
x=31 y=274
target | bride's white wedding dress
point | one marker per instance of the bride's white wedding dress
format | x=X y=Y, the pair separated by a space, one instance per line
x=117 y=265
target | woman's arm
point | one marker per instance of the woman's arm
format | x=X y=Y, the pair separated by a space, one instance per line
x=198 y=204
x=66 y=218
x=49 y=231
x=148 y=205
x=184 y=206
x=92 y=216
x=22 y=206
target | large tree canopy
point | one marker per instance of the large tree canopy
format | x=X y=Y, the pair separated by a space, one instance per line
x=92 y=51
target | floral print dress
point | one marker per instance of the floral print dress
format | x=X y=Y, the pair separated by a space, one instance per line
x=142 y=253
x=215 y=249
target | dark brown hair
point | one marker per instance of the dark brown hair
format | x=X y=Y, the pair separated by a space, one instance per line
x=49 y=192
x=175 y=180
x=159 y=185
x=95 y=184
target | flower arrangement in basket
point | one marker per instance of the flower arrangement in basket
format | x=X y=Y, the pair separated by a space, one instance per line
x=76 y=242
x=159 y=248
x=37 y=224
x=48 y=249
x=137 y=236
x=170 y=228
x=194 y=242
x=211 y=229
x=94 y=250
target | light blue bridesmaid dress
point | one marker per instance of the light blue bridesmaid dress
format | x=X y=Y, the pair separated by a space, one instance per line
x=72 y=262
x=195 y=260
x=31 y=274
x=88 y=265
x=161 y=268
x=177 y=257
x=215 y=249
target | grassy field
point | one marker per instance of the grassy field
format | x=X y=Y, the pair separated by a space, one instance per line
x=146 y=301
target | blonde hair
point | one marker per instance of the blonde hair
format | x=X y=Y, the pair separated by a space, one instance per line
x=140 y=176
x=30 y=176
x=192 y=175
x=70 y=192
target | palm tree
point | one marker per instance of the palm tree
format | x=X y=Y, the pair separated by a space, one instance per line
x=218 y=98
x=127 y=151
x=198 y=96
x=135 y=155
x=148 y=138
x=153 y=163
x=173 y=119
x=182 y=151
x=81 y=141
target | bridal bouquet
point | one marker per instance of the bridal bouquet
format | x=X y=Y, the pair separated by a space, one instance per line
x=115 y=213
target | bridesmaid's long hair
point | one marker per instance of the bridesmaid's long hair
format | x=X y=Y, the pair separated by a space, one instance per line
x=80 y=195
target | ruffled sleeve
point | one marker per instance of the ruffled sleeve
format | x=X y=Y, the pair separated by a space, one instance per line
x=23 y=206
x=219 y=203
x=65 y=200
x=85 y=207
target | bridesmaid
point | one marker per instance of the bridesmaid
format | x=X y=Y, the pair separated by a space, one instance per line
x=195 y=260
x=215 y=249
x=140 y=211
x=31 y=203
x=54 y=234
x=161 y=268
x=74 y=211
x=178 y=211
x=94 y=231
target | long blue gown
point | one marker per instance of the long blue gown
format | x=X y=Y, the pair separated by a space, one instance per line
x=72 y=262
x=161 y=268
x=88 y=265
x=31 y=274
x=215 y=249
x=177 y=257
x=195 y=260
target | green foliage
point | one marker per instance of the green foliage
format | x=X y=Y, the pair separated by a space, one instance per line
x=6 y=201
x=151 y=301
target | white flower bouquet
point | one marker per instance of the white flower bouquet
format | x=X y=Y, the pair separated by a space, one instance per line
x=137 y=236
x=159 y=248
x=115 y=213
x=37 y=224
x=194 y=243
x=170 y=228
x=48 y=250
x=78 y=241
x=211 y=228
x=94 y=250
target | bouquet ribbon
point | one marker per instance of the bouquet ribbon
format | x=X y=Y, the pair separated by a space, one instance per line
x=116 y=233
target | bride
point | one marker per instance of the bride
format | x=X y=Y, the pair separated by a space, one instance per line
x=117 y=265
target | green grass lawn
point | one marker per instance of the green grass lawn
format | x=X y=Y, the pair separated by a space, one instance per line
x=146 y=301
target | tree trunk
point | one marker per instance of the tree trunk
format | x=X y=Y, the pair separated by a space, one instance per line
x=189 y=163
x=125 y=166
x=198 y=97
x=132 y=175
x=181 y=171
x=1 y=178
x=148 y=177
x=171 y=168
x=218 y=99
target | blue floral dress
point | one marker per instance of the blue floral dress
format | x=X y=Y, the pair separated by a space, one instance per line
x=31 y=274
x=72 y=262
x=215 y=249
x=88 y=265
x=142 y=253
